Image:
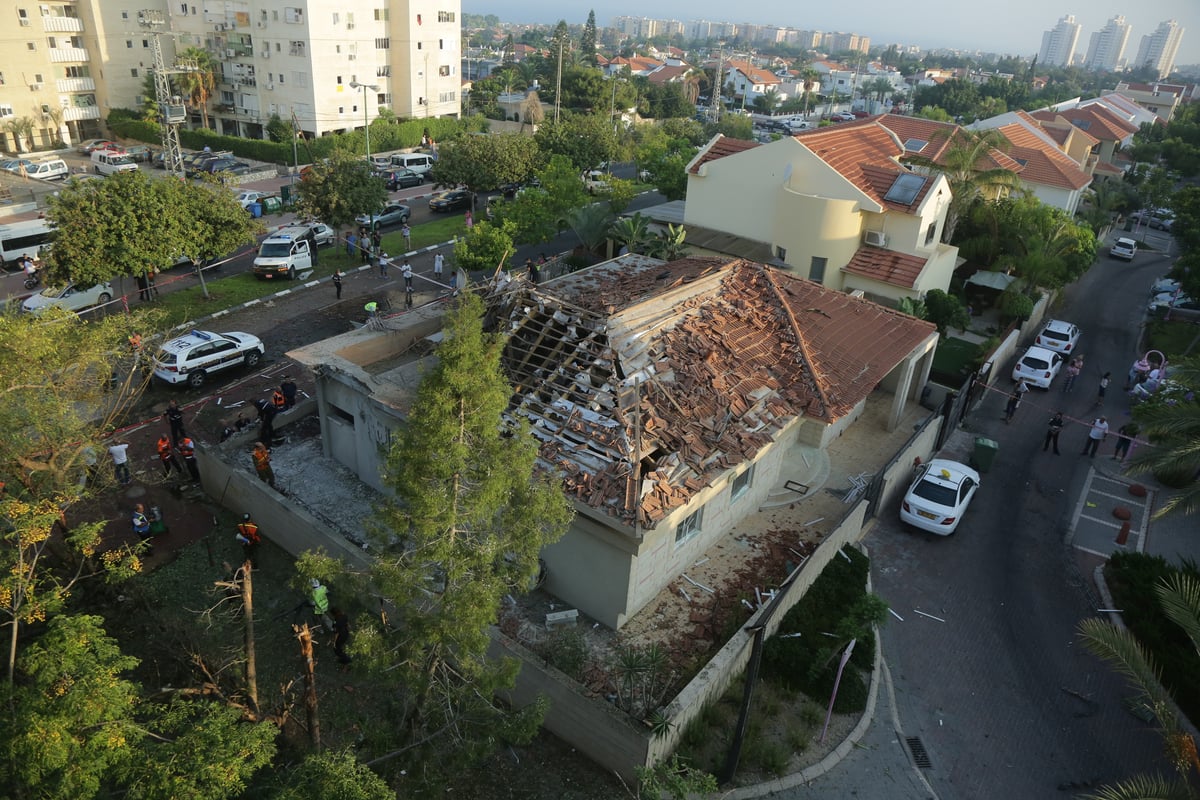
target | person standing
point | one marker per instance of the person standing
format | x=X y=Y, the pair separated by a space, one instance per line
x=248 y=537
x=318 y=598
x=407 y=272
x=376 y=238
x=141 y=526
x=1096 y=435
x=1010 y=408
x=351 y=244
x=1125 y=436
x=288 y=388
x=167 y=456
x=174 y=417
x=1052 y=431
x=364 y=247
x=120 y=458
x=262 y=464
x=1073 y=370
x=384 y=262
x=341 y=634
x=279 y=400
x=468 y=220
x=266 y=419
x=438 y=262
x=1102 y=388
x=337 y=282
x=406 y=232
x=535 y=274
x=187 y=449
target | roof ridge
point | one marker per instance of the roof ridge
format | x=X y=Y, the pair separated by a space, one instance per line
x=794 y=323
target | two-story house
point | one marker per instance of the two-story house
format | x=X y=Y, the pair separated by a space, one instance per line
x=1050 y=169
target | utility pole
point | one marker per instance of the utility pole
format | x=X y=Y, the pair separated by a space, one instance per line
x=171 y=112
x=718 y=80
x=558 y=82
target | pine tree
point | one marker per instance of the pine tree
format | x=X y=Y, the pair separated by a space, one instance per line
x=587 y=44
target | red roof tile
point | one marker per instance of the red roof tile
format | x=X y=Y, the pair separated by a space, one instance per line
x=1043 y=162
x=720 y=147
x=865 y=153
x=886 y=266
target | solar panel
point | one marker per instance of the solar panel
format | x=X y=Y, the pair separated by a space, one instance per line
x=915 y=145
x=905 y=189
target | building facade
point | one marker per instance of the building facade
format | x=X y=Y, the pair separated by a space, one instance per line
x=1106 y=50
x=1158 y=49
x=1058 y=43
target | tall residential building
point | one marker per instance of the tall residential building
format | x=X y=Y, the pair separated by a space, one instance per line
x=1158 y=49
x=1058 y=43
x=1107 y=47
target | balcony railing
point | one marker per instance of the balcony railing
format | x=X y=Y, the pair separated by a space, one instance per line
x=87 y=112
x=59 y=55
x=75 y=85
x=54 y=24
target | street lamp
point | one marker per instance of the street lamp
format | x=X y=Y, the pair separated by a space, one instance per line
x=366 y=121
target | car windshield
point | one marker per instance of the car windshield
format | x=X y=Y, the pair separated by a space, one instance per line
x=54 y=292
x=1029 y=362
x=936 y=493
x=121 y=159
x=276 y=250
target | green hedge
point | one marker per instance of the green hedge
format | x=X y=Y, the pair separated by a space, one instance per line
x=386 y=134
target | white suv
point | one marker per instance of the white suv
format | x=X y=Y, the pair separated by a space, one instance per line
x=190 y=358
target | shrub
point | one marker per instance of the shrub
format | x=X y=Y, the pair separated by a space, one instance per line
x=566 y=650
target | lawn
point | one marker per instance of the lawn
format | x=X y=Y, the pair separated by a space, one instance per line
x=953 y=359
x=1173 y=338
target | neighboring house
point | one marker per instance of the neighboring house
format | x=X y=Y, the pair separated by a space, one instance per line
x=1124 y=108
x=749 y=81
x=666 y=395
x=1048 y=171
x=637 y=65
x=1110 y=131
x=834 y=204
x=1160 y=99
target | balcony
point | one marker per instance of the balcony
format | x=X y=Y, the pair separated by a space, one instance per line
x=85 y=112
x=56 y=24
x=61 y=55
x=64 y=85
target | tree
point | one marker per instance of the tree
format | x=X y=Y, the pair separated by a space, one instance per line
x=200 y=80
x=809 y=78
x=278 y=130
x=587 y=42
x=531 y=111
x=485 y=247
x=333 y=775
x=970 y=170
x=21 y=129
x=149 y=107
x=946 y=311
x=632 y=233
x=470 y=514
x=1170 y=420
x=586 y=139
x=485 y=162
x=538 y=213
x=340 y=189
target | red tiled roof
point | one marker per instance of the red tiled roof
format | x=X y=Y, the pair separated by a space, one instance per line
x=753 y=73
x=886 y=266
x=941 y=136
x=668 y=73
x=864 y=153
x=646 y=381
x=1097 y=120
x=1043 y=162
x=720 y=147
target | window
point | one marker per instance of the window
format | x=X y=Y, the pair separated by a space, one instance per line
x=741 y=484
x=336 y=18
x=930 y=233
x=441 y=44
x=444 y=71
x=77 y=72
x=445 y=16
x=183 y=9
x=37 y=77
x=816 y=271
x=419 y=45
x=384 y=99
x=781 y=253
x=383 y=44
x=6 y=111
x=133 y=73
x=689 y=527
x=341 y=109
x=145 y=44
x=300 y=79
x=52 y=42
x=383 y=72
x=281 y=80
x=33 y=45
x=381 y=15
x=294 y=16
x=349 y=20
x=447 y=97
x=296 y=48
x=339 y=80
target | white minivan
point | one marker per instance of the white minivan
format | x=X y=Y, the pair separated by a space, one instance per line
x=106 y=162
x=419 y=163
x=48 y=169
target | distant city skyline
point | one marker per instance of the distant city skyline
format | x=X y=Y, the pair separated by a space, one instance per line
x=1014 y=28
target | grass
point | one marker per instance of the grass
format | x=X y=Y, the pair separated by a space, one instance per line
x=954 y=356
x=1174 y=338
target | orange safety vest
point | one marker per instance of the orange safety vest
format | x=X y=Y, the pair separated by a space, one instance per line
x=164 y=448
x=250 y=531
x=186 y=448
x=279 y=400
x=262 y=459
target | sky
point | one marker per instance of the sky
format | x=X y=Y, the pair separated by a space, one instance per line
x=1009 y=27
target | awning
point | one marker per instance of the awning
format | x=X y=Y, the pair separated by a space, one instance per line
x=991 y=280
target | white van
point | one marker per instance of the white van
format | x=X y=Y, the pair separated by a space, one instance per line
x=24 y=238
x=48 y=169
x=286 y=252
x=419 y=163
x=106 y=162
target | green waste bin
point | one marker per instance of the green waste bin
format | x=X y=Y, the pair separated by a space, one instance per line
x=270 y=205
x=985 y=453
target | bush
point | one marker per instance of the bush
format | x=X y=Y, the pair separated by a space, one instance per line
x=566 y=651
x=1015 y=305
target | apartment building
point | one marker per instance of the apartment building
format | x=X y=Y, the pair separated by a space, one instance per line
x=1058 y=43
x=1158 y=49
x=1106 y=48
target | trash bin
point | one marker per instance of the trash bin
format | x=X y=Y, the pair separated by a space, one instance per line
x=270 y=205
x=985 y=454
x=255 y=210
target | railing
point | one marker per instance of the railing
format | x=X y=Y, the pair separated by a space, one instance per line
x=56 y=24
x=58 y=55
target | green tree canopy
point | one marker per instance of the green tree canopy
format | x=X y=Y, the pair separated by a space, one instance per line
x=586 y=139
x=340 y=188
x=483 y=163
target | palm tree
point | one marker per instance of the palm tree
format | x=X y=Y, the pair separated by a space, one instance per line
x=526 y=71
x=691 y=84
x=878 y=88
x=1180 y=600
x=21 y=129
x=809 y=78
x=1172 y=424
x=971 y=172
x=200 y=81
x=768 y=101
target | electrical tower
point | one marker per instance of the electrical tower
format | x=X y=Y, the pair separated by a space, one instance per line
x=171 y=111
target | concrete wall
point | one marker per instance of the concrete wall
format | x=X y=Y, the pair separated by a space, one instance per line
x=898 y=474
x=819 y=436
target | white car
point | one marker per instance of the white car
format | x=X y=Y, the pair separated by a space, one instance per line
x=1059 y=336
x=247 y=197
x=939 y=496
x=1037 y=367
x=322 y=233
x=69 y=297
x=192 y=357
x=1124 y=249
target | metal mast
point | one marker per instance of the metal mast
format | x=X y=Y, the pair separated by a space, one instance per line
x=171 y=111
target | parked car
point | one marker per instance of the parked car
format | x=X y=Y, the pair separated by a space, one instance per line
x=15 y=164
x=1038 y=367
x=451 y=201
x=1059 y=336
x=322 y=233
x=192 y=357
x=86 y=148
x=939 y=496
x=141 y=153
x=403 y=179
x=595 y=180
x=70 y=297
x=1172 y=300
x=247 y=197
x=392 y=214
x=1124 y=249
x=225 y=165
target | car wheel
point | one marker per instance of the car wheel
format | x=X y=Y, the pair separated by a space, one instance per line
x=104 y=298
x=291 y=273
x=252 y=358
x=196 y=379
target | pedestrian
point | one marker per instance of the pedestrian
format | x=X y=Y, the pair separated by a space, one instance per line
x=151 y=287
x=262 y=464
x=408 y=297
x=279 y=400
x=248 y=537
x=143 y=286
x=406 y=232
x=167 y=456
x=1052 y=431
x=384 y=262
x=351 y=244
x=266 y=419
x=1102 y=388
x=1073 y=370
x=364 y=249
x=454 y=283
x=438 y=262
x=288 y=388
x=1125 y=436
x=120 y=458
x=174 y=416
x=407 y=272
x=318 y=598
x=534 y=273
x=187 y=449
x=468 y=220
x=372 y=308
x=1137 y=373
x=1096 y=435
x=1022 y=387
x=341 y=634
x=1014 y=402
x=337 y=282
x=541 y=259
x=141 y=526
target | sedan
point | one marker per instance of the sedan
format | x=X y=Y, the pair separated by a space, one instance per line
x=69 y=297
x=1059 y=336
x=322 y=234
x=1038 y=367
x=939 y=496
x=1172 y=300
x=225 y=166
x=450 y=201
x=403 y=179
x=140 y=152
x=91 y=145
x=392 y=214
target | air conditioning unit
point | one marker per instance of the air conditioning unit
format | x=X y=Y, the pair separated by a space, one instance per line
x=24 y=22
x=35 y=87
x=262 y=24
x=218 y=27
x=224 y=26
x=875 y=238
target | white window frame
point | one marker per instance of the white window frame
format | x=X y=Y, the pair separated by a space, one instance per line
x=689 y=527
x=741 y=483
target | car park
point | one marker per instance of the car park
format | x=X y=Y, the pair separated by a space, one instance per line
x=191 y=358
x=939 y=495
x=1059 y=336
x=141 y=153
x=70 y=297
x=1038 y=367
x=1124 y=249
x=403 y=179
x=391 y=214
x=451 y=201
